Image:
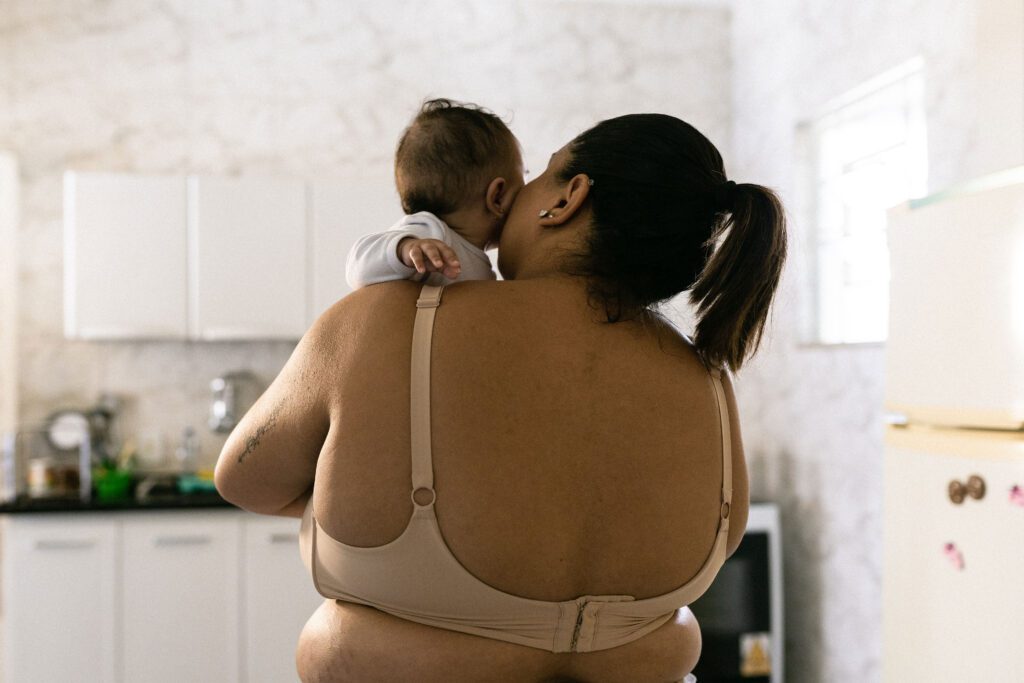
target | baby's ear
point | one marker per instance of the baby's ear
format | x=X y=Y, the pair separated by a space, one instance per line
x=497 y=198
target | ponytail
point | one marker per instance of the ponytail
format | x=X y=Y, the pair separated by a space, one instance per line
x=734 y=291
x=660 y=204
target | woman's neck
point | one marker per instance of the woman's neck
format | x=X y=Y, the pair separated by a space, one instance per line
x=542 y=271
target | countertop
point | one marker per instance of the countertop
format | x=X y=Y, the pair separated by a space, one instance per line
x=165 y=501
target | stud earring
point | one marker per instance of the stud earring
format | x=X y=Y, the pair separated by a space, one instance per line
x=545 y=214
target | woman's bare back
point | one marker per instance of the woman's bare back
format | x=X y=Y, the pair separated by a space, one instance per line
x=570 y=458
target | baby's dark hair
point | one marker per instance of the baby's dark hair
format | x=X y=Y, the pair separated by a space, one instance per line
x=448 y=153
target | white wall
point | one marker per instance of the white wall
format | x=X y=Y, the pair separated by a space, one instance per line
x=812 y=415
x=8 y=293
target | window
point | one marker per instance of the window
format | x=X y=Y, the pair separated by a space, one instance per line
x=866 y=152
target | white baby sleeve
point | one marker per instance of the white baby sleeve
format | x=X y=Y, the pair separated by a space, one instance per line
x=374 y=258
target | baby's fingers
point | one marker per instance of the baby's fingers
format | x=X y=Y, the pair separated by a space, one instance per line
x=451 y=260
x=434 y=254
x=443 y=258
x=416 y=256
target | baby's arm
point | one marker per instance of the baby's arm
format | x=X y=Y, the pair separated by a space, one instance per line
x=376 y=258
x=429 y=256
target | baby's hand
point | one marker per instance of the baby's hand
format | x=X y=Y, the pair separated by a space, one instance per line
x=429 y=256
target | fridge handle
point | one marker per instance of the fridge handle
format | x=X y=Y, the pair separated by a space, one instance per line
x=898 y=419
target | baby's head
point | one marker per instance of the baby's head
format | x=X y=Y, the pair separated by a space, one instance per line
x=461 y=163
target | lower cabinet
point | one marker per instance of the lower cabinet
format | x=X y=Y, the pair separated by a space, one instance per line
x=280 y=598
x=951 y=584
x=59 y=597
x=200 y=595
x=180 y=598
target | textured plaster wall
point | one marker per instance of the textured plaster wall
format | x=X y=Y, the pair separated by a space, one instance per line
x=299 y=88
x=812 y=415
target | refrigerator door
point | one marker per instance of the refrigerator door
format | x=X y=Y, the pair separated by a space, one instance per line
x=951 y=589
x=955 y=353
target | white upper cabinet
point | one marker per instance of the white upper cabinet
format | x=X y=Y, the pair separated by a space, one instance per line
x=344 y=208
x=248 y=271
x=211 y=258
x=124 y=256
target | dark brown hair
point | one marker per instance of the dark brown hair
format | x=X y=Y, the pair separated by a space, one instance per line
x=659 y=207
x=449 y=152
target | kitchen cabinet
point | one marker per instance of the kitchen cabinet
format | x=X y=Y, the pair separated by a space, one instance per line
x=59 y=585
x=124 y=256
x=279 y=598
x=180 y=595
x=248 y=258
x=952 y=613
x=212 y=258
x=176 y=257
x=345 y=207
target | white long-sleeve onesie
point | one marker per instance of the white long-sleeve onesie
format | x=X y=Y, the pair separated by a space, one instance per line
x=374 y=258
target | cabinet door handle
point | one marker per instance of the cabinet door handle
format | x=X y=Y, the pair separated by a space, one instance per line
x=975 y=488
x=182 y=540
x=64 y=545
x=284 y=538
x=957 y=491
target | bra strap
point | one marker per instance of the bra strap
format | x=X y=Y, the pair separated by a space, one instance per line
x=723 y=411
x=419 y=394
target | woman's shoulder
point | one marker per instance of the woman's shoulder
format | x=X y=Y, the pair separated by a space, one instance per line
x=369 y=307
x=531 y=309
x=383 y=300
x=380 y=309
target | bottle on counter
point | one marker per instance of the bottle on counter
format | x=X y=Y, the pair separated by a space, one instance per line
x=42 y=477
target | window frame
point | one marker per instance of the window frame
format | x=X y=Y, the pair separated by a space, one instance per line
x=846 y=111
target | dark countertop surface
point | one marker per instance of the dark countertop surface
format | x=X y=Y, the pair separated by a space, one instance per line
x=162 y=501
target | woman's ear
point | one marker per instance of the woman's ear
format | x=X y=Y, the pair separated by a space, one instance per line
x=570 y=202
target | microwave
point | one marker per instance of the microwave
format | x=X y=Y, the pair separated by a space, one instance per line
x=740 y=615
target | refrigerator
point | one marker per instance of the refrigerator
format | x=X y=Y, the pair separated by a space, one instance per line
x=953 y=508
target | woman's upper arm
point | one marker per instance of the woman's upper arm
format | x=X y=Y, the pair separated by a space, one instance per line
x=740 y=484
x=270 y=457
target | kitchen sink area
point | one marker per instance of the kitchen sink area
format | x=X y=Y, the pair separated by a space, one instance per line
x=152 y=492
x=76 y=460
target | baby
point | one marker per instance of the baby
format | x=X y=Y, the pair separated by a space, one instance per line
x=458 y=169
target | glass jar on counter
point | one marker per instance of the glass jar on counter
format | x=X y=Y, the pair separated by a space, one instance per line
x=49 y=477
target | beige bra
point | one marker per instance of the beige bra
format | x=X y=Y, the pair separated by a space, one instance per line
x=416 y=576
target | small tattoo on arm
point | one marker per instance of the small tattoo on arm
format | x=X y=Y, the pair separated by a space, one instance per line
x=253 y=441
